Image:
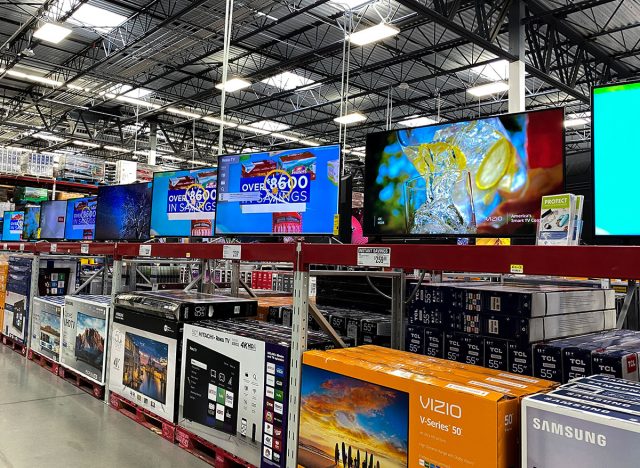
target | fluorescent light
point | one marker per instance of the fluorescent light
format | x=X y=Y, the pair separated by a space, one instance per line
x=284 y=136
x=417 y=121
x=53 y=33
x=34 y=78
x=97 y=18
x=373 y=34
x=234 y=84
x=75 y=87
x=172 y=158
x=288 y=81
x=309 y=143
x=259 y=131
x=270 y=126
x=117 y=149
x=217 y=121
x=494 y=71
x=272 y=18
x=489 y=88
x=352 y=118
x=183 y=113
x=137 y=102
x=575 y=123
x=138 y=92
x=351 y=4
x=85 y=143
x=47 y=136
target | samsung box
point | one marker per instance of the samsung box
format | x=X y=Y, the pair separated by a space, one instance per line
x=16 y=307
x=85 y=325
x=47 y=322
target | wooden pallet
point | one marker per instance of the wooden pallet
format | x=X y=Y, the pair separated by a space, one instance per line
x=143 y=416
x=43 y=361
x=18 y=346
x=208 y=452
x=82 y=382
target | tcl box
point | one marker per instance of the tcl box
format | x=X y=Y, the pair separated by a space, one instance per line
x=46 y=326
x=85 y=326
x=16 y=307
x=146 y=345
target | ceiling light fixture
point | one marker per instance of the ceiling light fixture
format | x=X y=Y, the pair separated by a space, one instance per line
x=85 y=143
x=183 y=113
x=47 y=136
x=234 y=84
x=417 y=121
x=284 y=136
x=309 y=143
x=352 y=118
x=52 y=33
x=217 y=121
x=117 y=149
x=351 y=4
x=34 y=78
x=288 y=81
x=97 y=18
x=488 y=89
x=373 y=34
x=270 y=126
x=570 y=123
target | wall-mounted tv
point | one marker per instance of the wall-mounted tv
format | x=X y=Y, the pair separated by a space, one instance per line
x=31 y=225
x=184 y=203
x=481 y=177
x=616 y=168
x=80 y=221
x=30 y=194
x=13 y=225
x=52 y=219
x=280 y=192
x=123 y=212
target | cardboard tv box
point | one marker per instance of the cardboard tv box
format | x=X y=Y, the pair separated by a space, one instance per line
x=409 y=420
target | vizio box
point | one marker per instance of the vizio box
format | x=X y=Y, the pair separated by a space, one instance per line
x=85 y=324
x=558 y=432
x=47 y=322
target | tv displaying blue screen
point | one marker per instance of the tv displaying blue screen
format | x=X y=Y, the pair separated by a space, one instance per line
x=13 y=224
x=184 y=203
x=31 y=226
x=616 y=166
x=279 y=192
x=124 y=212
x=80 y=221
x=52 y=219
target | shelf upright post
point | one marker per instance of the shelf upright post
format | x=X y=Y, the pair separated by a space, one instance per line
x=105 y=275
x=398 y=293
x=33 y=292
x=299 y=322
x=235 y=278
x=116 y=284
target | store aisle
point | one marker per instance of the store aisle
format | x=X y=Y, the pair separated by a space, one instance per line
x=45 y=421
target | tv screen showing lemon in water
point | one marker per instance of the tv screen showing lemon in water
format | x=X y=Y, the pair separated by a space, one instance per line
x=482 y=177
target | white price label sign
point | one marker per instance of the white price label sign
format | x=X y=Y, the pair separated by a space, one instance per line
x=374 y=256
x=5 y=246
x=145 y=250
x=21 y=247
x=54 y=248
x=516 y=269
x=84 y=248
x=232 y=252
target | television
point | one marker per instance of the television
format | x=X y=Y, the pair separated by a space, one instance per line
x=183 y=203
x=615 y=165
x=483 y=177
x=31 y=225
x=282 y=193
x=80 y=220
x=145 y=366
x=30 y=194
x=123 y=212
x=13 y=225
x=52 y=219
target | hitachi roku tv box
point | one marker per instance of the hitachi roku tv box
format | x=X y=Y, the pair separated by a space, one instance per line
x=46 y=326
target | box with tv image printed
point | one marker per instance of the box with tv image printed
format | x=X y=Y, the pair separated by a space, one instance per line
x=84 y=335
x=16 y=307
x=46 y=327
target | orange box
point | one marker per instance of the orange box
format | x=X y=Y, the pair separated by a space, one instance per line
x=400 y=418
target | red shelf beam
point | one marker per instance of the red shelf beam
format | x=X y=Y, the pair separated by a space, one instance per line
x=47 y=183
x=584 y=261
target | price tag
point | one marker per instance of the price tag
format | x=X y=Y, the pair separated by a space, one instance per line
x=145 y=250
x=84 y=248
x=54 y=248
x=232 y=252
x=374 y=256
x=517 y=269
x=21 y=247
x=5 y=246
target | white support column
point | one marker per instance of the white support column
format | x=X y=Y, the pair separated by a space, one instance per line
x=153 y=143
x=517 y=49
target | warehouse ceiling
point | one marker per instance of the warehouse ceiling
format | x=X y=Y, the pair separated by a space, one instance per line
x=130 y=67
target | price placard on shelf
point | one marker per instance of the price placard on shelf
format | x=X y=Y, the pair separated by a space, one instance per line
x=374 y=256
x=145 y=250
x=53 y=248
x=84 y=248
x=517 y=269
x=5 y=246
x=21 y=247
x=232 y=252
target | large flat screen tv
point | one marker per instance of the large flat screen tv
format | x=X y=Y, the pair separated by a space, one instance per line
x=184 y=203
x=616 y=167
x=481 y=177
x=80 y=222
x=279 y=193
x=13 y=225
x=124 y=212
x=31 y=225
x=52 y=219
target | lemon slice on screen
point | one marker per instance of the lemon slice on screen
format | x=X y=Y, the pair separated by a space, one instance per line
x=440 y=155
x=495 y=164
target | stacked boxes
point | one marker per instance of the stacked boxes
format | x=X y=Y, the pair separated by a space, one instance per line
x=47 y=321
x=592 y=421
x=16 y=307
x=410 y=411
x=495 y=325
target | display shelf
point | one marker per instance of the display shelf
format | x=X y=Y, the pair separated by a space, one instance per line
x=163 y=428
x=586 y=261
x=76 y=248
x=17 y=346
x=43 y=361
x=46 y=182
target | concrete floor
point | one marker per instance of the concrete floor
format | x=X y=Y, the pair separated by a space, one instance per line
x=47 y=422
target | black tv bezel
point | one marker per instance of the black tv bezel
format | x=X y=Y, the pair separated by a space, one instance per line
x=3 y=223
x=95 y=231
x=66 y=218
x=601 y=239
x=31 y=205
x=280 y=234
x=160 y=236
x=415 y=237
